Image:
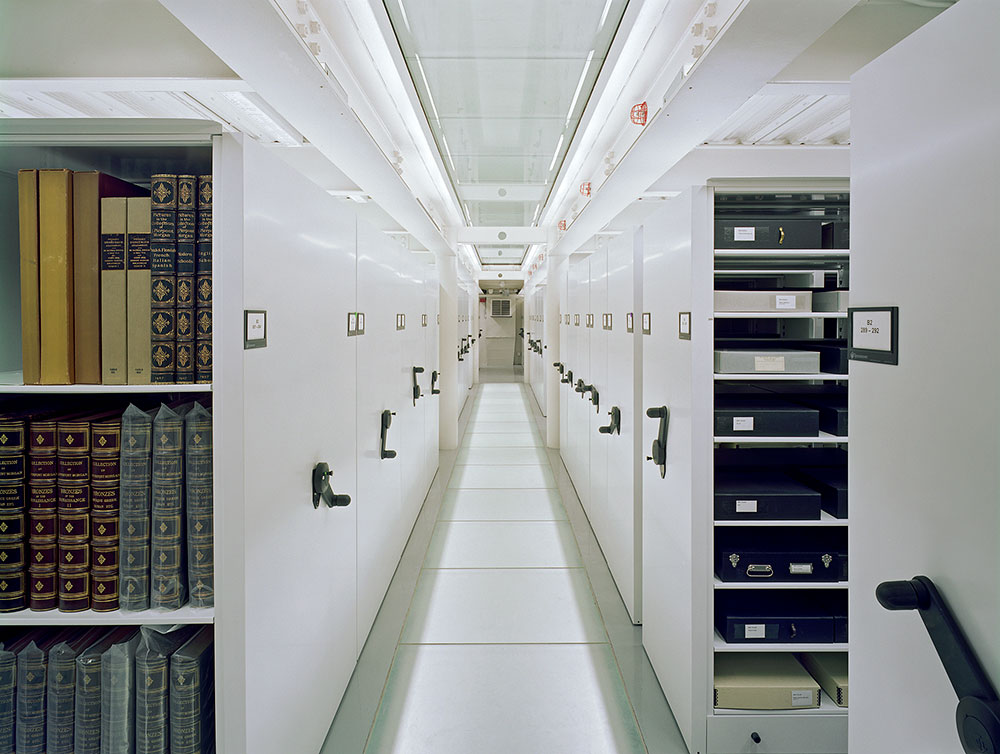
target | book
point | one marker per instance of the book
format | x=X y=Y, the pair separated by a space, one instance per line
x=104 y=514
x=168 y=570
x=198 y=490
x=13 y=467
x=60 y=688
x=32 y=674
x=87 y=712
x=73 y=519
x=55 y=276
x=114 y=353
x=203 y=283
x=152 y=688
x=88 y=188
x=10 y=648
x=42 y=506
x=27 y=219
x=137 y=285
x=192 y=696
x=134 y=504
x=118 y=697
x=163 y=241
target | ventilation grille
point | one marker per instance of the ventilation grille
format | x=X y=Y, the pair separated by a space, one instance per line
x=500 y=307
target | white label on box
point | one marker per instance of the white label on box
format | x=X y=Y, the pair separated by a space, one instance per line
x=753 y=631
x=784 y=302
x=800 y=568
x=803 y=698
x=873 y=330
x=746 y=506
x=742 y=424
x=769 y=363
x=745 y=234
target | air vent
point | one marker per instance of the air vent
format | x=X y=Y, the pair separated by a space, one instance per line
x=500 y=307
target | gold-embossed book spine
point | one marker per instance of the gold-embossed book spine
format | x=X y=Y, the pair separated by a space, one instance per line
x=13 y=468
x=134 y=503
x=168 y=572
x=198 y=486
x=163 y=260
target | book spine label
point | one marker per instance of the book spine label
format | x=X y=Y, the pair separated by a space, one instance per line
x=55 y=276
x=138 y=286
x=105 y=500
x=27 y=213
x=113 y=291
x=12 y=496
x=186 y=242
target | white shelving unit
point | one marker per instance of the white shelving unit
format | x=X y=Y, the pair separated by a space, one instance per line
x=743 y=585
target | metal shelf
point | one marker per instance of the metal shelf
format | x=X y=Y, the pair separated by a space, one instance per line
x=773 y=376
x=780 y=315
x=722 y=646
x=825 y=519
x=824 y=438
x=742 y=585
x=12 y=383
x=782 y=253
x=185 y=615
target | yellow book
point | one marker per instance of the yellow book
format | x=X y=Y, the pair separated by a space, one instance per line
x=138 y=306
x=113 y=344
x=55 y=276
x=27 y=216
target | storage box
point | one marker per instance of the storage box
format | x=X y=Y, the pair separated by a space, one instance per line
x=763 y=682
x=830 y=301
x=830 y=482
x=829 y=400
x=829 y=669
x=749 y=495
x=783 y=361
x=781 y=617
x=736 y=233
x=786 y=554
x=752 y=416
x=832 y=353
x=763 y=301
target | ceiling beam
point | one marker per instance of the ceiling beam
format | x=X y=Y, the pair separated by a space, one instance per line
x=503 y=192
x=500 y=235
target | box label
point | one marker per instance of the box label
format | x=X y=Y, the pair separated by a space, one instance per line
x=754 y=631
x=746 y=506
x=745 y=234
x=803 y=699
x=769 y=363
x=800 y=568
x=784 y=302
x=742 y=424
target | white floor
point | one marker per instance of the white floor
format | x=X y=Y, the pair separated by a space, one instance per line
x=501 y=646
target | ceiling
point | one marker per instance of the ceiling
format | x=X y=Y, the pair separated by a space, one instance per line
x=503 y=86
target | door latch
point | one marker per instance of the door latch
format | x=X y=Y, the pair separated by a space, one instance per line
x=615 y=425
x=659 y=450
x=568 y=379
x=434 y=379
x=386 y=421
x=416 y=385
x=559 y=366
x=322 y=491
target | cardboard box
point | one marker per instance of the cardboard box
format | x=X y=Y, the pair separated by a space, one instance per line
x=763 y=301
x=784 y=361
x=830 y=671
x=830 y=301
x=763 y=681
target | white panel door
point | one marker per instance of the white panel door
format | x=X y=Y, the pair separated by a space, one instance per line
x=380 y=510
x=596 y=462
x=431 y=402
x=565 y=350
x=622 y=540
x=673 y=594
x=579 y=418
x=411 y=353
x=924 y=441
x=299 y=411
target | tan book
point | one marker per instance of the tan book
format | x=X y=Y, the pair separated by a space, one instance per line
x=88 y=188
x=27 y=217
x=138 y=306
x=113 y=311
x=55 y=276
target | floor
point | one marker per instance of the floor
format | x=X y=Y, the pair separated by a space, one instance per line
x=502 y=631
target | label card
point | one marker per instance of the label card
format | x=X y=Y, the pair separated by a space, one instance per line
x=803 y=698
x=800 y=569
x=784 y=302
x=769 y=363
x=754 y=631
x=684 y=325
x=746 y=506
x=873 y=334
x=255 y=330
x=742 y=424
x=745 y=234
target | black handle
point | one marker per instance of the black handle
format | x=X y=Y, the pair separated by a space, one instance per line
x=615 y=425
x=568 y=379
x=434 y=379
x=416 y=385
x=559 y=365
x=386 y=421
x=978 y=714
x=595 y=398
x=322 y=490
x=659 y=450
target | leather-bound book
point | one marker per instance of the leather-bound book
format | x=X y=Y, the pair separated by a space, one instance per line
x=152 y=697
x=134 y=502
x=42 y=505
x=60 y=688
x=168 y=570
x=203 y=241
x=87 y=712
x=88 y=189
x=192 y=696
x=104 y=515
x=187 y=221
x=118 y=697
x=55 y=276
x=10 y=648
x=27 y=221
x=32 y=681
x=138 y=287
x=163 y=249
x=114 y=348
x=198 y=481
x=13 y=468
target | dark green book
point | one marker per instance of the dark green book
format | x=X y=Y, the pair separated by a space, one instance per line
x=134 y=505
x=60 y=688
x=192 y=696
x=152 y=688
x=9 y=649
x=198 y=493
x=118 y=697
x=87 y=712
x=168 y=571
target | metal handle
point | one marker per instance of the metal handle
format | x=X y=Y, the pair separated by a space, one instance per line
x=434 y=379
x=978 y=714
x=568 y=379
x=659 y=449
x=416 y=385
x=386 y=421
x=322 y=492
x=615 y=425
x=559 y=365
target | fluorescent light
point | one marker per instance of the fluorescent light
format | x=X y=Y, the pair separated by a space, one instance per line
x=579 y=87
x=447 y=152
x=552 y=164
x=538 y=209
x=427 y=88
x=604 y=15
x=402 y=12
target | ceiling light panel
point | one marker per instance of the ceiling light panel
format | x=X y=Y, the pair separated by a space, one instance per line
x=771 y=119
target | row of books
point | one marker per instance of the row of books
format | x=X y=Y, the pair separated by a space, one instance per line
x=148 y=690
x=96 y=515
x=116 y=283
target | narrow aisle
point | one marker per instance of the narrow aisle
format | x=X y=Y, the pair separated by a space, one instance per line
x=504 y=649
